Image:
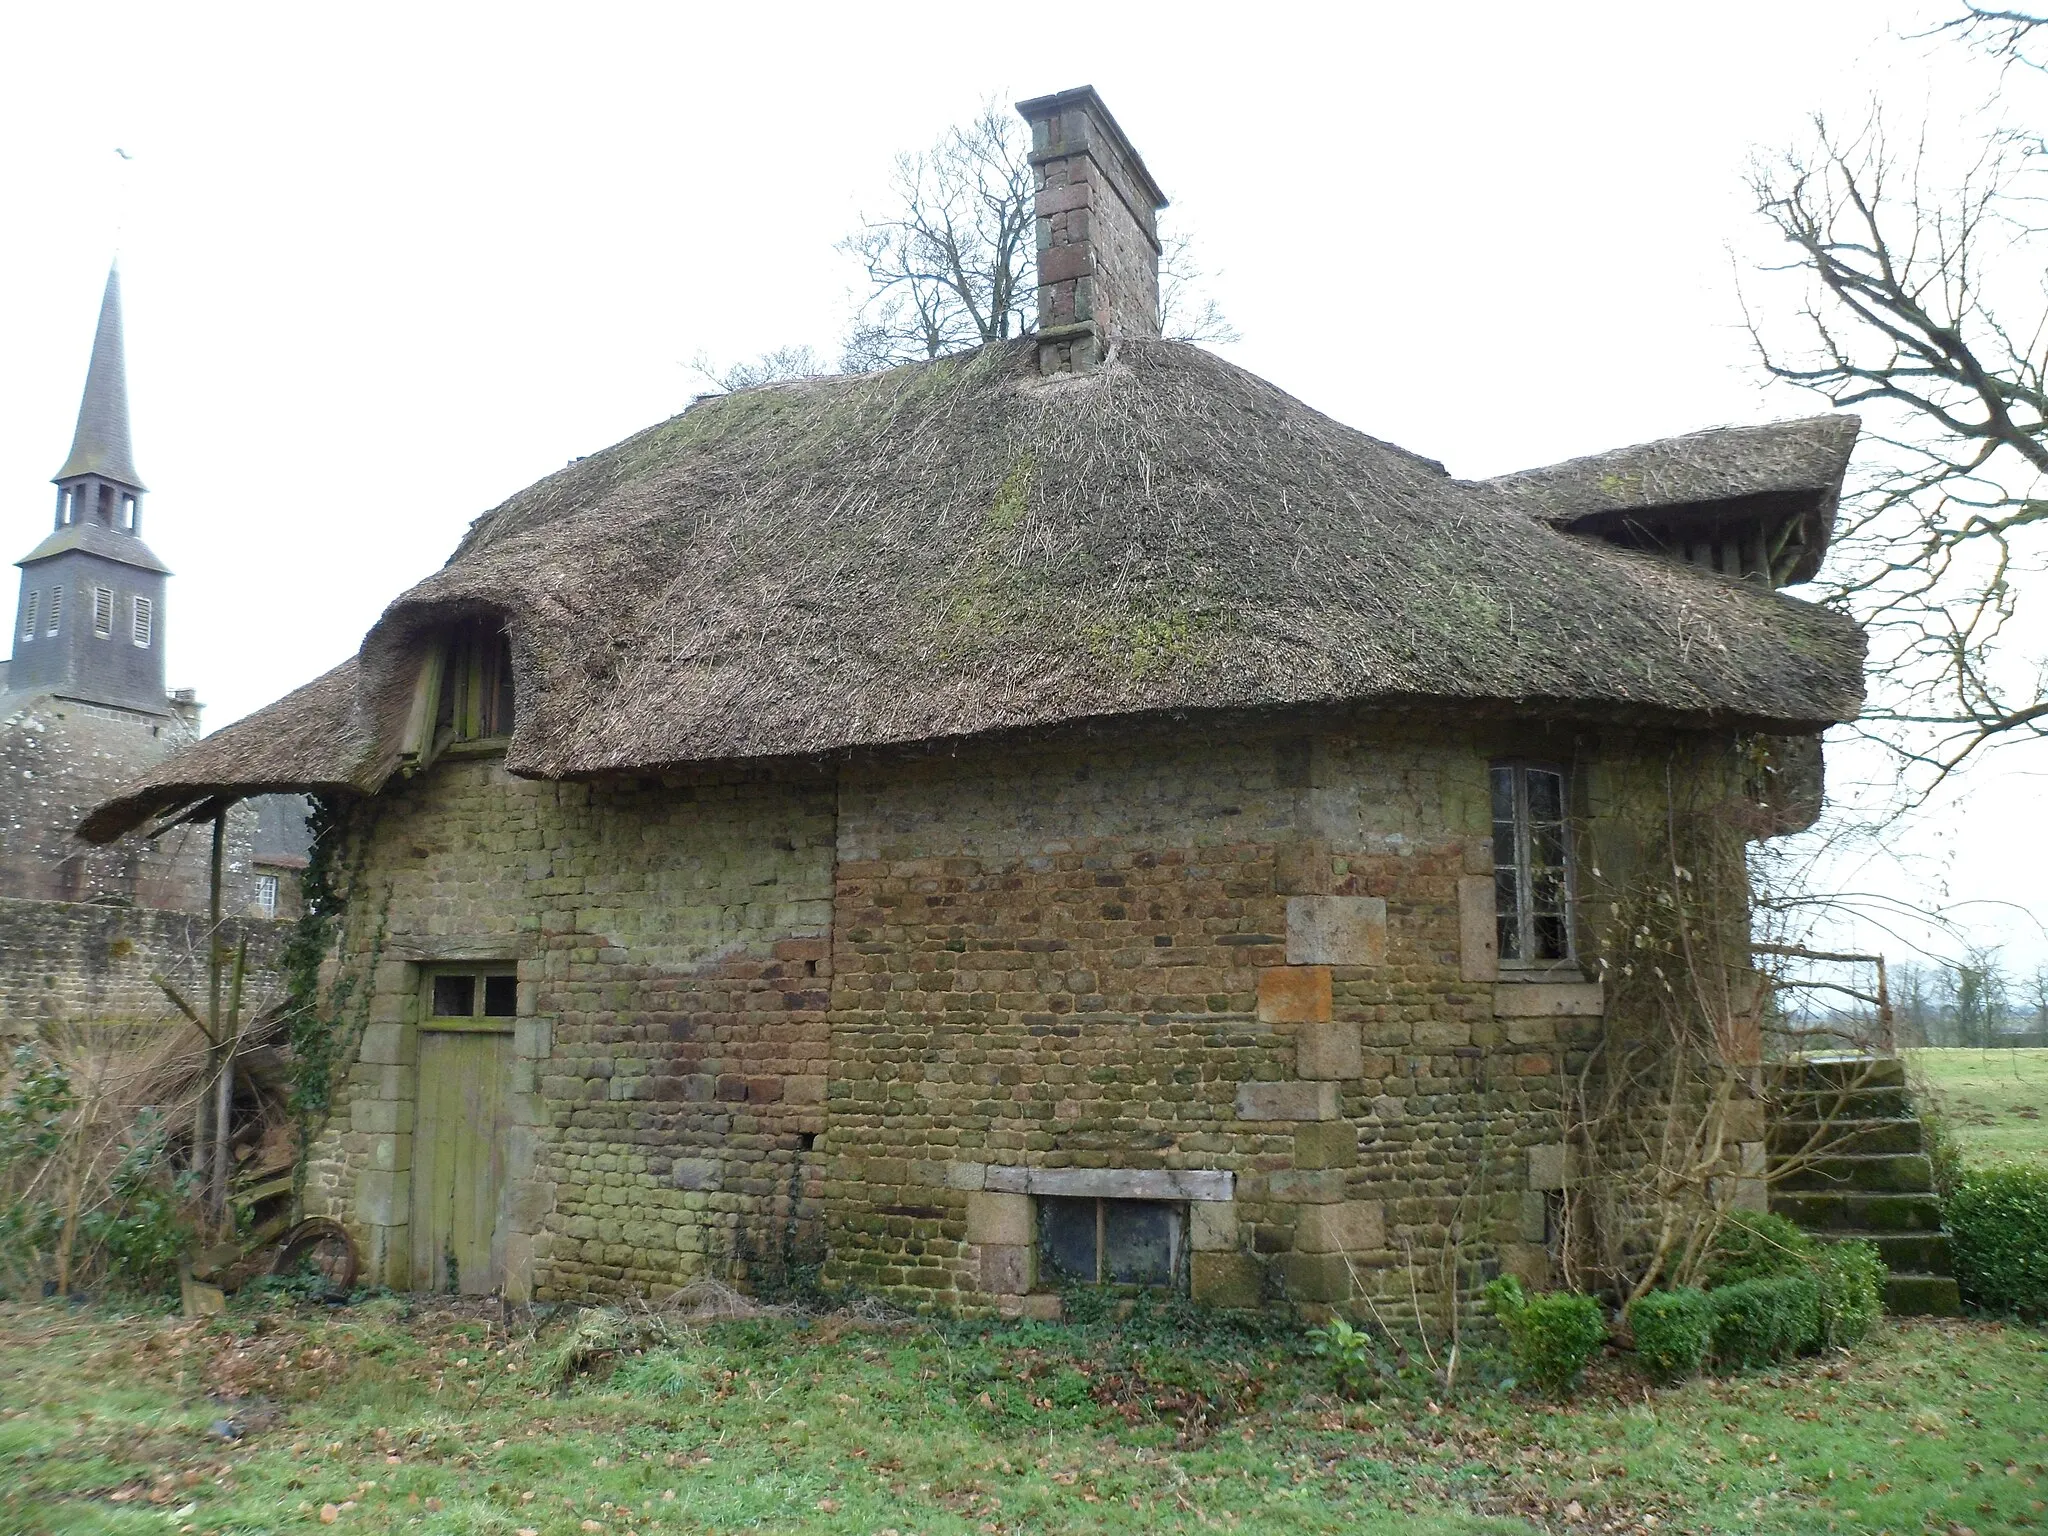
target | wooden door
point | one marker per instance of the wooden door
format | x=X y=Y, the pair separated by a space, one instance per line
x=458 y=1159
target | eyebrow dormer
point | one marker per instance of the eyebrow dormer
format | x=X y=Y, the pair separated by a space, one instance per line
x=1750 y=502
x=465 y=696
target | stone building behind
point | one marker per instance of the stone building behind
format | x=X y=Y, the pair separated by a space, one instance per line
x=1065 y=813
x=84 y=710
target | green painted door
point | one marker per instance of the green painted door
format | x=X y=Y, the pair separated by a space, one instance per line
x=458 y=1159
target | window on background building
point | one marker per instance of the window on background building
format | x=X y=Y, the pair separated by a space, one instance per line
x=476 y=702
x=56 y=611
x=145 y=621
x=102 y=610
x=266 y=895
x=1532 y=879
x=28 y=616
x=1112 y=1242
x=481 y=992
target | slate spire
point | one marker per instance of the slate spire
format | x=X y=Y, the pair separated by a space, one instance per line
x=100 y=445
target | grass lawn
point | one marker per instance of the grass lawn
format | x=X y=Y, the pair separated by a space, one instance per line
x=1996 y=1101
x=410 y=1417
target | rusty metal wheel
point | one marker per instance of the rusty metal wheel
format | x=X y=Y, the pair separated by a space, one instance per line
x=326 y=1246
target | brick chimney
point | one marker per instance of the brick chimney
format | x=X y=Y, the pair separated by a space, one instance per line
x=1098 y=231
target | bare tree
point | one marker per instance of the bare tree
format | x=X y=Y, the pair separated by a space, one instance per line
x=772 y=367
x=1923 y=307
x=954 y=265
x=1999 y=31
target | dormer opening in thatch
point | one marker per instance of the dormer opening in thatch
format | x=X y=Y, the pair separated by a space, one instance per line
x=465 y=696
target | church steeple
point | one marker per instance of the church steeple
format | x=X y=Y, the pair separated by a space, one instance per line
x=100 y=446
x=89 y=624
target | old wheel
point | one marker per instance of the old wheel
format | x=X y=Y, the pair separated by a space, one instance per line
x=323 y=1244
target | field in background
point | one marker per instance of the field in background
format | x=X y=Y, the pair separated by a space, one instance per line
x=431 y=1419
x=1996 y=1101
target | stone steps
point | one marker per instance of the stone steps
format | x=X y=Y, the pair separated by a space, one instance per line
x=1848 y=1157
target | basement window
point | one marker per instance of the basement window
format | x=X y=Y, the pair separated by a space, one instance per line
x=1532 y=877
x=476 y=997
x=1094 y=1241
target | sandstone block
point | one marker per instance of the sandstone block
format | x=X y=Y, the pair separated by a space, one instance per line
x=383 y=1197
x=1314 y=1276
x=379 y=1116
x=1225 y=1280
x=1306 y=1186
x=1548 y=1166
x=1287 y=1101
x=533 y=1038
x=386 y=1045
x=1336 y=930
x=1294 y=994
x=1329 y=1144
x=1547 y=999
x=966 y=1175
x=391 y=1154
x=1331 y=1051
x=1302 y=868
x=1042 y=1308
x=1212 y=1226
x=1350 y=1226
x=1003 y=1220
x=1478 y=931
x=1005 y=1268
x=696 y=1173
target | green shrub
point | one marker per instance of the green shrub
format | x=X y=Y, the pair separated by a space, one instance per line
x=1998 y=1229
x=1851 y=1277
x=1758 y=1322
x=1354 y=1365
x=1673 y=1329
x=1755 y=1245
x=1552 y=1336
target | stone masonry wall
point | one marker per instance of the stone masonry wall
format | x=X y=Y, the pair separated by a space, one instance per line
x=669 y=939
x=1241 y=956
x=73 y=962
x=865 y=1012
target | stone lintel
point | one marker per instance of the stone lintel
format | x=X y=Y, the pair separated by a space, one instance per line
x=435 y=948
x=1115 y=1183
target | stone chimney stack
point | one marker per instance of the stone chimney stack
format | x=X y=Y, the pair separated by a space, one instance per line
x=1098 y=232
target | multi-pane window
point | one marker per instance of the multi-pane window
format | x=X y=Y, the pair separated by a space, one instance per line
x=1531 y=864
x=1112 y=1242
x=476 y=685
x=145 y=621
x=56 y=611
x=102 y=611
x=28 y=616
x=266 y=895
x=475 y=994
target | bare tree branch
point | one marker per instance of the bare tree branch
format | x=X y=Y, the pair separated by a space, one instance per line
x=1912 y=309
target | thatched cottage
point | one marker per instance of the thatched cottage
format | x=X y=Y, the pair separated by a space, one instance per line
x=1063 y=813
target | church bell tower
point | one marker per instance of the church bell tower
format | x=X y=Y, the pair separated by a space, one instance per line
x=89 y=625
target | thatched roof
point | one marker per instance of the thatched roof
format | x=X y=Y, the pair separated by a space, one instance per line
x=1704 y=480
x=964 y=546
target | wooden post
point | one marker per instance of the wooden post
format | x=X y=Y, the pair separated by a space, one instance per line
x=216 y=1177
x=224 y=1093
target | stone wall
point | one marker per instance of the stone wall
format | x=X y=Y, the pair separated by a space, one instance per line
x=670 y=943
x=866 y=1012
x=68 y=962
x=59 y=758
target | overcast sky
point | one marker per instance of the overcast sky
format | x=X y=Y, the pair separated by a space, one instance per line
x=385 y=265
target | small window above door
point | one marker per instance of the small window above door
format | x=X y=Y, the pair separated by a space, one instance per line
x=482 y=997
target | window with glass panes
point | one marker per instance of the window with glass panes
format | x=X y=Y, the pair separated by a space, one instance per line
x=1531 y=864
x=470 y=997
x=1112 y=1241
